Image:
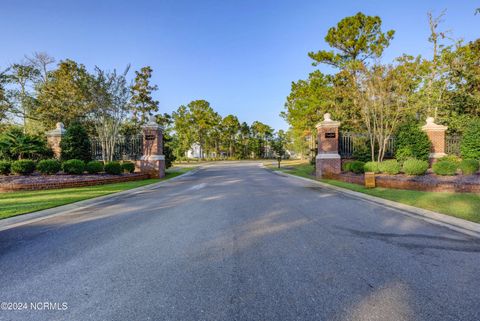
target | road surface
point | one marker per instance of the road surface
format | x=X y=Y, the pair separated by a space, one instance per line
x=237 y=242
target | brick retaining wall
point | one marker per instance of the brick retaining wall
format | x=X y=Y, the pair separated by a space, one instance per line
x=10 y=187
x=416 y=183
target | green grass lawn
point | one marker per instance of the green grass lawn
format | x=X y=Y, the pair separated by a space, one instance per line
x=16 y=203
x=462 y=205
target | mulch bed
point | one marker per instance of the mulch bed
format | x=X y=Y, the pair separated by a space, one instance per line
x=41 y=182
x=428 y=182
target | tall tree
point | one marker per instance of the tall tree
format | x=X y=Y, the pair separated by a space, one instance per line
x=66 y=96
x=143 y=104
x=230 y=128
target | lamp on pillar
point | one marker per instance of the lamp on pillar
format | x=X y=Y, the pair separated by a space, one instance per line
x=328 y=162
x=436 y=135
x=153 y=160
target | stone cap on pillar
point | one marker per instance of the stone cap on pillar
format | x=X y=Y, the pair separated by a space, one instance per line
x=58 y=131
x=431 y=126
x=152 y=124
x=328 y=122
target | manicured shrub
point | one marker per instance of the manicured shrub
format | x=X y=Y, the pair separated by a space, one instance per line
x=361 y=149
x=346 y=166
x=74 y=166
x=94 y=167
x=113 y=168
x=75 y=143
x=49 y=166
x=5 y=167
x=411 y=142
x=128 y=167
x=445 y=168
x=391 y=167
x=470 y=145
x=371 y=167
x=414 y=166
x=23 y=167
x=357 y=167
x=469 y=166
x=450 y=158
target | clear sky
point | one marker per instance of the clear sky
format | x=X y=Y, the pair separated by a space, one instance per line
x=239 y=55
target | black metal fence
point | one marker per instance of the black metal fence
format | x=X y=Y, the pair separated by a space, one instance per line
x=349 y=142
x=126 y=148
x=452 y=144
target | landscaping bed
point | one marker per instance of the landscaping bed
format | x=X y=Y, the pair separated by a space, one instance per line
x=428 y=182
x=43 y=182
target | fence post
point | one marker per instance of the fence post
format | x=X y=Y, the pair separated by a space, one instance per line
x=153 y=161
x=436 y=135
x=54 y=137
x=328 y=162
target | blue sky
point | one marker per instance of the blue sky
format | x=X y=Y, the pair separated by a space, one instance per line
x=239 y=55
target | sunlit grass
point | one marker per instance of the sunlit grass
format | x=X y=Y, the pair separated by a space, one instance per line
x=462 y=205
x=16 y=203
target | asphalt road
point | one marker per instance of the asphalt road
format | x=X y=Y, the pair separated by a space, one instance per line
x=237 y=242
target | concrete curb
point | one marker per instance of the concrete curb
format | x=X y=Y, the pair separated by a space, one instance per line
x=33 y=217
x=453 y=223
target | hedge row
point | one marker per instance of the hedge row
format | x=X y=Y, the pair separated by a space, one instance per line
x=71 y=166
x=448 y=165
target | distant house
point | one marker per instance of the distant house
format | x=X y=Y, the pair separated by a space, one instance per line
x=195 y=151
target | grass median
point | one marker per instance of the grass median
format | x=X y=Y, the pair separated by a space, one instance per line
x=461 y=205
x=17 y=203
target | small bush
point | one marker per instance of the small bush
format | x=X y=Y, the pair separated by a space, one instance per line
x=361 y=149
x=346 y=166
x=74 y=167
x=357 y=167
x=470 y=145
x=371 y=167
x=113 y=168
x=23 y=167
x=5 y=167
x=445 y=168
x=414 y=166
x=391 y=167
x=469 y=166
x=128 y=167
x=94 y=167
x=450 y=158
x=49 y=166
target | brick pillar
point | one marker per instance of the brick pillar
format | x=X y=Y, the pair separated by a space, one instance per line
x=153 y=161
x=328 y=162
x=436 y=134
x=54 y=137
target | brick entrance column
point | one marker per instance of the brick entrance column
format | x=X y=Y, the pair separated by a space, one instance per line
x=54 y=137
x=328 y=162
x=153 y=161
x=436 y=134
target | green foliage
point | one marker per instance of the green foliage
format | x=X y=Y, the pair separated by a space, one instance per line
x=128 y=167
x=469 y=166
x=73 y=166
x=450 y=158
x=391 y=167
x=113 y=168
x=142 y=102
x=411 y=142
x=5 y=167
x=346 y=166
x=470 y=146
x=361 y=149
x=357 y=167
x=445 y=168
x=14 y=144
x=49 y=166
x=75 y=143
x=414 y=166
x=372 y=167
x=168 y=147
x=94 y=167
x=23 y=167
